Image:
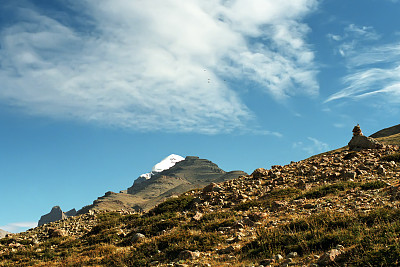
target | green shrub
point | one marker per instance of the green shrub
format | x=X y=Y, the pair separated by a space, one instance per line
x=373 y=185
x=325 y=190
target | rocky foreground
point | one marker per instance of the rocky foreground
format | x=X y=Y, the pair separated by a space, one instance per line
x=339 y=208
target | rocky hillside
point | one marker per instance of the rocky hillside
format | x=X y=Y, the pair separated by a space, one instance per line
x=338 y=209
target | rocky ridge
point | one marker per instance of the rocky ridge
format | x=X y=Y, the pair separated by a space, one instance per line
x=244 y=215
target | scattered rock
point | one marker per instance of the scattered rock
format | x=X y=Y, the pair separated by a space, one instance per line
x=137 y=237
x=260 y=172
x=54 y=232
x=229 y=249
x=278 y=257
x=266 y=262
x=213 y=187
x=188 y=255
x=197 y=216
x=291 y=255
x=330 y=257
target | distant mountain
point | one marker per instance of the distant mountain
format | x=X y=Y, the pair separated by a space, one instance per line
x=185 y=175
x=3 y=233
x=177 y=176
x=387 y=132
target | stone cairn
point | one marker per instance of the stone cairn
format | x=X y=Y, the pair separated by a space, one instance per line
x=357 y=130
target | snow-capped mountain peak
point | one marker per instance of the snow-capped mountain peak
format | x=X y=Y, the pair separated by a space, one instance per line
x=163 y=165
x=167 y=163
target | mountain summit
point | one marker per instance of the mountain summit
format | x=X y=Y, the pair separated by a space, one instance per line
x=165 y=164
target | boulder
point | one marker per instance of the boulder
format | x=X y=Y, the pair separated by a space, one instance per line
x=260 y=172
x=330 y=257
x=54 y=232
x=360 y=142
x=137 y=237
x=188 y=255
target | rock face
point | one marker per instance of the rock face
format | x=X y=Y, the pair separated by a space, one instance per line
x=55 y=214
x=3 y=233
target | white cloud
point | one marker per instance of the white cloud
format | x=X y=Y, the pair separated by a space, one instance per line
x=18 y=226
x=312 y=146
x=156 y=65
x=373 y=72
x=334 y=37
x=353 y=35
x=364 y=32
x=339 y=125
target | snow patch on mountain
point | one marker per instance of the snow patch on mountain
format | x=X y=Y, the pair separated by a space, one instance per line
x=163 y=165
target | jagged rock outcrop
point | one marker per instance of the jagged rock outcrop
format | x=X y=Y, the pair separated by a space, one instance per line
x=71 y=212
x=54 y=215
x=3 y=233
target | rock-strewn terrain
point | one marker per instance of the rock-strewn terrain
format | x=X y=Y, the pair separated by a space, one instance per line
x=339 y=208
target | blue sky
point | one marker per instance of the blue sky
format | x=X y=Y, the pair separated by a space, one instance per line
x=94 y=93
